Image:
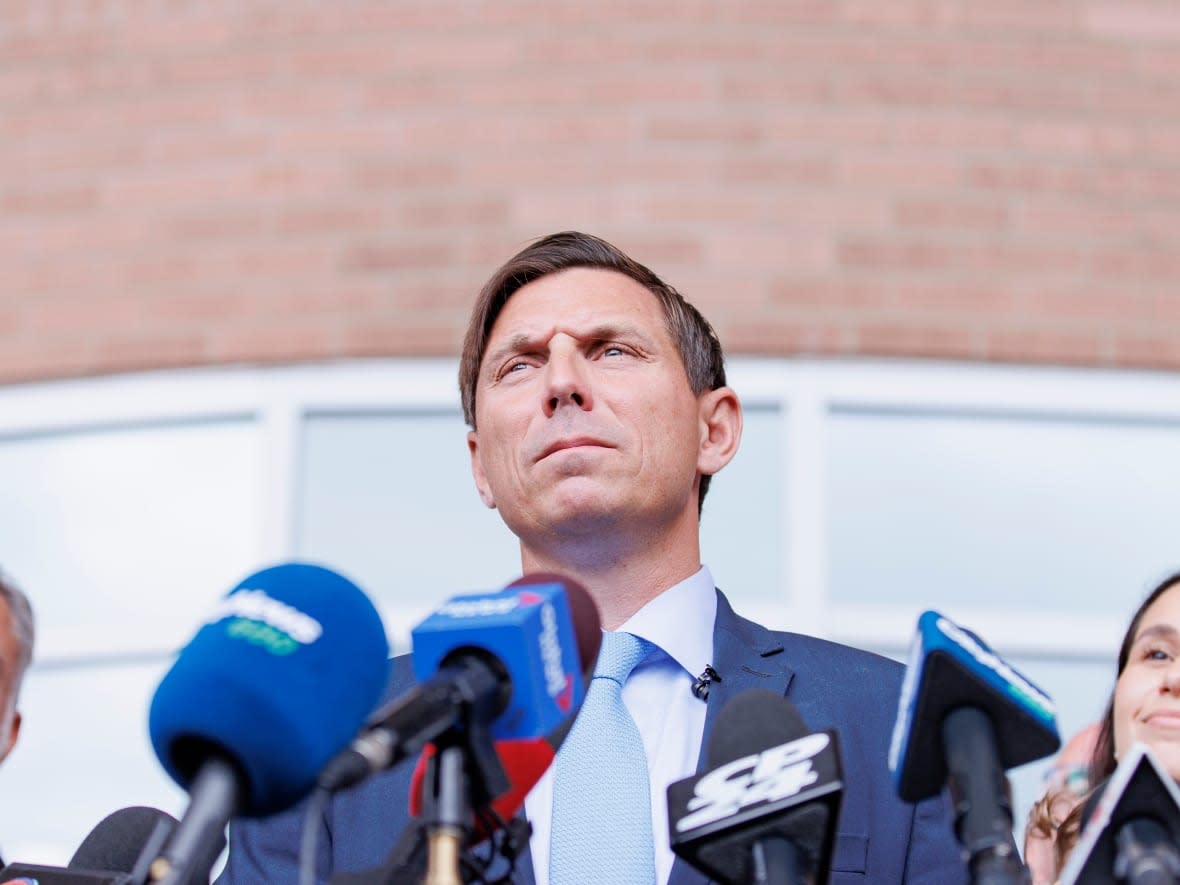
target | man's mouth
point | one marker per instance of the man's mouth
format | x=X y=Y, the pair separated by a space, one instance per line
x=573 y=442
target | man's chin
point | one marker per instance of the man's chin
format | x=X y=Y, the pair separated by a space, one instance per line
x=569 y=516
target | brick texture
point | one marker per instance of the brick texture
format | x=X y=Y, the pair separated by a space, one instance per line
x=275 y=180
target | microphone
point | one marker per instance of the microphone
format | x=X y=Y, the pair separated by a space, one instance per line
x=35 y=874
x=276 y=682
x=517 y=661
x=116 y=852
x=700 y=685
x=122 y=840
x=1133 y=831
x=964 y=717
x=545 y=652
x=766 y=810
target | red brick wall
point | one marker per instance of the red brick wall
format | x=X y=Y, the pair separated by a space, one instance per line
x=267 y=180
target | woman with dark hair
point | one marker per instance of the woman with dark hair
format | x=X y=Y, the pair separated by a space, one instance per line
x=1146 y=657
x=1145 y=703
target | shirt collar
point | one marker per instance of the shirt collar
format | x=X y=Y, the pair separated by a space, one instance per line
x=680 y=621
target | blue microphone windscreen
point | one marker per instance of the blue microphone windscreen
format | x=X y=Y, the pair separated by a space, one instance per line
x=530 y=630
x=278 y=680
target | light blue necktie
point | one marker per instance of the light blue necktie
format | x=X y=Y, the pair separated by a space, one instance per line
x=601 y=798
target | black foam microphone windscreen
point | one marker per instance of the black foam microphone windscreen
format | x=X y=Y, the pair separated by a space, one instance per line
x=117 y=841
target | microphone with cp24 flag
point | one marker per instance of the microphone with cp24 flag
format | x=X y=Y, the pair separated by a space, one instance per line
x=766 y=810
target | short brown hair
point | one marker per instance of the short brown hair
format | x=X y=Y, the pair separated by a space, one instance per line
x=699 y=346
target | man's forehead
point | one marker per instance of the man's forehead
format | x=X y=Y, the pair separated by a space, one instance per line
x=581 y=299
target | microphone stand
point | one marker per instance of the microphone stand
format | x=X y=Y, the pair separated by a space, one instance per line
x=214 y=794
x=775 y=861
x=1145 y=854
x=447 y=832
x=983 y=815
x=463 y=775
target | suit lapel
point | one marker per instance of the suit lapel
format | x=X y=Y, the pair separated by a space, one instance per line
x=745 y=655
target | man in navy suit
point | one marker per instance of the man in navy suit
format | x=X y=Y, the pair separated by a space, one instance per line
x=599 y=411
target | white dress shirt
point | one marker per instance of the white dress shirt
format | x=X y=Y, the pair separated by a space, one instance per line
x=658 y=694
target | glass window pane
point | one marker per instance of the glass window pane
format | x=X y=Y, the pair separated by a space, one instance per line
x=742 y=527
x=388 y=499
x=1003 y=512
x=123 y=538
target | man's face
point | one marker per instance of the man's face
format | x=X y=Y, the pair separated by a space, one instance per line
x=586 y=419
x=9 y=662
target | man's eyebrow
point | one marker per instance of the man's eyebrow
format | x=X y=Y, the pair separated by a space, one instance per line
x=523 y=342
x=616 y=330
x=516 y=344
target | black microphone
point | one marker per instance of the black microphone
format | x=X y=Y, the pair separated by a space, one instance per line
x=1133 y=831
x=118 y=851
x=766 y=810
x=26 y=873
x=700 y=685
x=122 y=840
x=964 y=716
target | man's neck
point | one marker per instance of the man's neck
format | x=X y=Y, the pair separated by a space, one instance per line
x=621 y=582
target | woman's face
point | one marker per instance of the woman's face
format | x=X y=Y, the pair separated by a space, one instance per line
x=1147 y=694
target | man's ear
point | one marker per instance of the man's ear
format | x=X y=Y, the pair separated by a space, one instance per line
x=9 y=740
x=477 y=472
x=721 y=429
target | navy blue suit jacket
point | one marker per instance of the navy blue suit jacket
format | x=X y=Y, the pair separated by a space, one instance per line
x=880 y=839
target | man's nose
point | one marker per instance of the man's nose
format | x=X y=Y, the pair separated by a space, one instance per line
x=567 y=382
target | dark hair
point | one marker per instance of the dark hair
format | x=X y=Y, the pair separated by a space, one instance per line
x=699 y=346
x=1102 y=761
x=21 y=615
